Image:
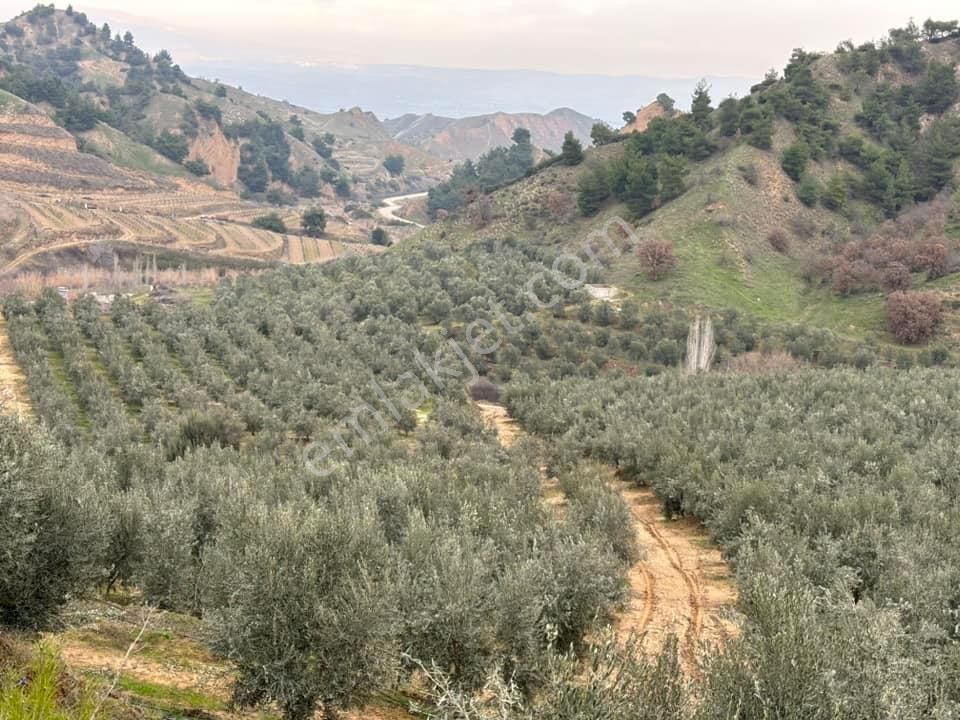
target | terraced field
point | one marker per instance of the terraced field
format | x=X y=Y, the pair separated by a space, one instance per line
x=56 y=201
x=201 y=222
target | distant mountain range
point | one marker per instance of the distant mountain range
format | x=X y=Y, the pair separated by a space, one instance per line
x=396 y=90
x=468 y=138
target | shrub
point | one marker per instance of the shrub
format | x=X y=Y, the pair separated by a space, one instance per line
x=209 y=110
x=603 y=134
x=913 y=316
x=322 y=148
x=484 y=390
x=342 y=187
x=933 y=258
x=80 y=115
x=379 y=237
x=280 y=197
x=749 y=173
x=306 y=181
x=779 y=240
x=314 y=222
x=795 y=160
x=272 y=222
x=394 y=164
x=657 y=258
x=896 y=276
x=808 y=191
x=48 y=534
x=198 y=167
x=172 y=146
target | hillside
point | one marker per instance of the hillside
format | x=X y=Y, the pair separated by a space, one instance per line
x=108 y=157
x=62 y=207
x=83 y=73
x=666 y=428
x=469 y=138
x=868 y=207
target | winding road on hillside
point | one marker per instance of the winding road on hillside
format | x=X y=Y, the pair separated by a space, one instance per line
x=681 y=587
x=391 y=205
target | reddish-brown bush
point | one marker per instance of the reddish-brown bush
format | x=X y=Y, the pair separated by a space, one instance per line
x=896 y=276
x=779 y=240
x=916 y=240
x=657 y=258
x=879 y=262
x=913 y=316
x=484 y=390
x=933 y=257
x=558 y=204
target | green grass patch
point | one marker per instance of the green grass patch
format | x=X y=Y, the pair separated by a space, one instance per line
x=59 y=372
x=203 y=296
x=10 y=103
x=169 y=699
x=113 y=145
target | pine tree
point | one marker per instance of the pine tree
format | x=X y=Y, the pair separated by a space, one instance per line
x=756 y=125
x=728 y=116
x=904 y=185
x=572 y=151
x=700 y=107
x=642 y=186
x=593 y=188
x=673 y=170
x=521 y=152
x=836 y=193
x=808 y=191
x=795 y=160
x=878 y=185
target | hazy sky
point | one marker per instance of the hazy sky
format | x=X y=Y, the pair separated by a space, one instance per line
x=662 y=37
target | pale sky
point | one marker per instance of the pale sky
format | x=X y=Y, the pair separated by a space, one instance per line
x=662 y=37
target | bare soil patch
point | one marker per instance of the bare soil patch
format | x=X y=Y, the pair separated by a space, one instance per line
x=682 y=587
x=13 y=384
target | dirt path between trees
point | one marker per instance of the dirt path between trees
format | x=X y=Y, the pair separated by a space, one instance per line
x=13 y=384
x=681 y=587
x=499 y=419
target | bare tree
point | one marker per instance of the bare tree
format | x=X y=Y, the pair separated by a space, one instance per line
x=701 y=346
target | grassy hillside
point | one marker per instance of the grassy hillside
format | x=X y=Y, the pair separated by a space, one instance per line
x=743 y=237
x=113 y=145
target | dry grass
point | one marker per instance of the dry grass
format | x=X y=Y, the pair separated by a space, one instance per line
x=84 y=278
x=13 y=384
x=759 y=362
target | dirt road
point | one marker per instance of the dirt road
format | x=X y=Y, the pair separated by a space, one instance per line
x=682 y=587
x=391 y=205
x=497 y=417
